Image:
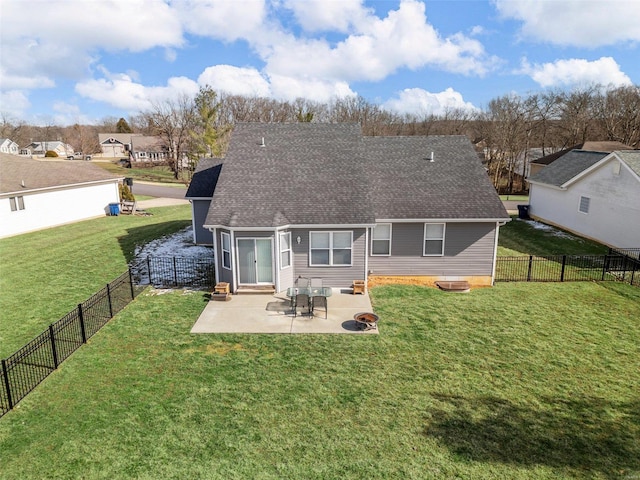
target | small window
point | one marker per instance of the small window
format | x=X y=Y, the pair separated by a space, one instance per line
x=330 y=248
x=285 y=250
x=17 y=203
x=142 y=154
x=381 y=239
x=433 y=239
x=226 y=251
x=584 y=204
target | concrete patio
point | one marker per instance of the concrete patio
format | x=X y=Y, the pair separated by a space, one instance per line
x=271 y=313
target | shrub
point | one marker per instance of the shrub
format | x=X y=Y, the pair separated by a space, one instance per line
x=126 y=195
x=50 y=154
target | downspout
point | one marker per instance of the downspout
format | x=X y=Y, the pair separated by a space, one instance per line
x=276 y=254
x=495 y=254
x=216 y=258
x=193 y=224
x=366 y=255
x=233 y=259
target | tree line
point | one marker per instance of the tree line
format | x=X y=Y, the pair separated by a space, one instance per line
x=505 y=132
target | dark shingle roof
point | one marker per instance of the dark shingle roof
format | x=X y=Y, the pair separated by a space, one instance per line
x=568 y=166
x=38 y=174
x=205 y=178
x=315 y=174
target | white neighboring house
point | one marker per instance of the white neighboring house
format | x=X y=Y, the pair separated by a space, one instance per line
x=40 y=148
x=594 y=194
x=37 y=194
x=9 y=146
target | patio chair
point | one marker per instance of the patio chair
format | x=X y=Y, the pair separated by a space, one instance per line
x=302 y=300
x=315 y=282
x=319 y=301
x=302 y=282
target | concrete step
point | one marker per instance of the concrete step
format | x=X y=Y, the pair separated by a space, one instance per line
x=256 y=290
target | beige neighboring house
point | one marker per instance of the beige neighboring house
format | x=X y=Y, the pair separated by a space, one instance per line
x=36 y=194
x=38 y=149
x=135 y=146
x=9 y=146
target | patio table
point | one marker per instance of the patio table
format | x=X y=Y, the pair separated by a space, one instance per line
x=311 y=291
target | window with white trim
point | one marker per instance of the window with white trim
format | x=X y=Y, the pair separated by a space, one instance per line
x=330 y=248
x=285 y=250
x=17 y=203
x=226 y=250
x=584 y=204
x=381 y=239
x=433 y=239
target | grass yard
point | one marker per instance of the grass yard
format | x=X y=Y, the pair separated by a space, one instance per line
x=523 y=237
x=45 y=274
x=520 y=381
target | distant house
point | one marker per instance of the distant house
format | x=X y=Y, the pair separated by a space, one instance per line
x=135 y=146
x=9 y=146
x=321 y=200
x=37 y=194
x=603 y=146
x=594 y=194
x=40 y=148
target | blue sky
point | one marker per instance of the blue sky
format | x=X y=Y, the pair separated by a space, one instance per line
x=68 y=61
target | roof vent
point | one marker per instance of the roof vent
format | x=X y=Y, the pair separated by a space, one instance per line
x=431 y=158
x=262 y=144
x=22 y=183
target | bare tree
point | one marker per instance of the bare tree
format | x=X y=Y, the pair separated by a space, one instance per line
x=173 y=121
x=617 y=112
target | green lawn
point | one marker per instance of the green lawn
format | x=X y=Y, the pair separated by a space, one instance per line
x=520 y=237
x=45 y=274
x=517 y=382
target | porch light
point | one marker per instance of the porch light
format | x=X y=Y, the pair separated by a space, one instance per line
x=298 y=239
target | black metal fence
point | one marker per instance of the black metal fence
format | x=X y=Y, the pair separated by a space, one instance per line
x=30 y=365
x=175 y=272
x=569 y=268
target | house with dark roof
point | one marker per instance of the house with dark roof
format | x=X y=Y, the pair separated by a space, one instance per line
x=322 y=200
x=37 y=194
x=593 y=194
x=138 y=147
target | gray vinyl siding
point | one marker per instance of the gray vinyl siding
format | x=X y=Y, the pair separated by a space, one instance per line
x=200 y=209
x=337 y=277
x=468 y=250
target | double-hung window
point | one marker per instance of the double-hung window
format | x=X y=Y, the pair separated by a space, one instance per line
x=17 y=203
x=330 y=248
x=381 y=239
x=285 y=250
x=433 y=239
x=226 y=250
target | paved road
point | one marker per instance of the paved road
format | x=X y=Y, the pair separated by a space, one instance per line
x=159 y=191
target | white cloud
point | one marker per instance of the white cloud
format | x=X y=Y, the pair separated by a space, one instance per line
x=604 y=71
x=14 y=102
x=379 y=48
x=236 y=81
x=222 y=19
x=291 y=88
x=336 y=16
x=120 y=91
x=419 y=102
x=576 y=22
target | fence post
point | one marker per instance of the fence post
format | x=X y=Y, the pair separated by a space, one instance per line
x=133 y=294
x=175 y=272
x=149 y=269
x=530 y=268
x=109 y=300
x=564 y=262
x=53 y=347
x=6 y=383
x=605 y=265
x=81 y=318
